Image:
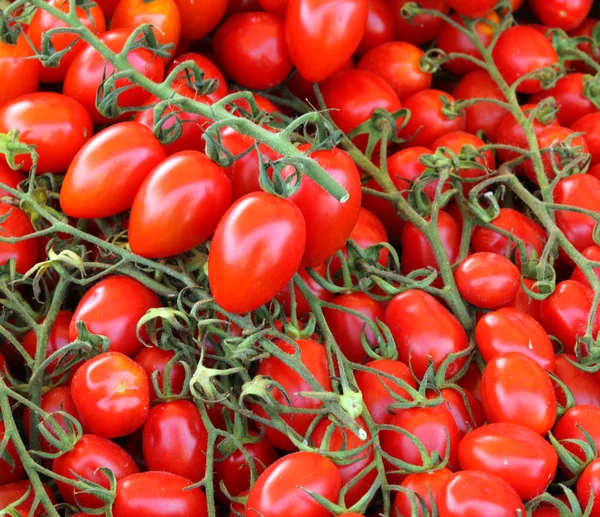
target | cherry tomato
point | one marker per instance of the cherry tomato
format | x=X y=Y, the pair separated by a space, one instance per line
x=589 y=125
x=588 y=484
x=586 y=29
x=158 y=494
x=111 y=393
x=584 y=386
x=14 y=64
x=591 y=253
x=525 y=303
x=329 y=222
x=251 y=49
x=112 y=308
x=88 y=70
x=10 y=473
x=88 y=455
x=564 y=15
x=13 y=492
x=477 y=494
x=199 y=18
x=570 y=426
x=464 y=407
x=426 y=485
x=377 y=390
x=256 y=249
x=323 y=34
x=379 y=27
x=431 y=117
x=302 y=306
x=154 y=359
x=398 y=63
x=515 y=389
x=24 y=252
x=121 y=157
x=422 y=28
x=314 y=357
x=280 y=490
x=211 y=71
x=471 y=8
x=277 y=7
x=9 y=177
x=42 y=21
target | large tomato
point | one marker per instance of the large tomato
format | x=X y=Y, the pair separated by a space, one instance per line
x=9 y=177
x=24 y=252
x=256 y=249
x=13 y=63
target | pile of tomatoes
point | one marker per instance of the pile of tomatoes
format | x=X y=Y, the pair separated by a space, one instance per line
x=300 y=258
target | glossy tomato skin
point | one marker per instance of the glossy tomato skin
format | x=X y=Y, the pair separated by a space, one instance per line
x=157 y=228
x=412 y=317
x=210 y=69
x=514 y=453
x=515 y=389
x=43 y=119
x=175 y=439
x=428 y=122
x=24 y=252
x=111 y=393
x=524 y=302
x=329 y=222
x=477 y=494
x=426 y=485
x=10 y=473
x=570 y=425
x=154 y=359
x=314 y=357
x=158 y=494
x=251 y=49
x=510 y=330
x=199 y=19
x=514 y=64
x=376 y=389
x=120 y=156
x=88 y=455
x=588 y=484
x=14 y=64
x=86 y=72
x=112 y=308
x=302 y=306
x=13 y=492
x=398 y=63
x=323 y=34
x=591 y=253
x=42 y=21
x=466 y=417
x=589 y=125
x=308 y=470
x=584 y=386
x=259 y=241
x=10 y=178
x=563 y=15
x=422 y=28
x=379 y=27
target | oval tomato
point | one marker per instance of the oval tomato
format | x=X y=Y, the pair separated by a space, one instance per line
x=24 y=252
x=467 y=417
x=199 y=19
x=13 y=63
x=426 y=485
x=589 y=125
x=302 y=306
x=154 y=359
x=379 y=27
x=584 y=386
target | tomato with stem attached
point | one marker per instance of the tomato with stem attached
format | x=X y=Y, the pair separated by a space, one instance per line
x=154 y=361
x=14 y=63
x=198 y=19
x=24 y=492
x=23 y=252
x=425 y=485
x=422 y=28
x=584 y=386
x=592 y=253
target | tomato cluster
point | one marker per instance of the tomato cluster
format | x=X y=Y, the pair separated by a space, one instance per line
x=301 y=258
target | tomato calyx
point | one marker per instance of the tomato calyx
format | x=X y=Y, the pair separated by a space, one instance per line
x=572 y=462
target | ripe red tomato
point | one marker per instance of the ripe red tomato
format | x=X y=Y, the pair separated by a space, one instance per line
x=154 y=359
x=302 y=307
x=85 y=459
x=398 y=63
x=589 y=125
x=425 y=330
x=379 y=27
x=111 y=393
x=199 y=18
x=586 y=29
x=277 y=7
x=477 y=494
x=570 y=426
x=158 y=493
x=190 y=179
x=14 y=64
x=24 y=252
x=466 y=417
x=329 y=222
x=42 y=21
x=471 y=8
x=251 y=49
x=591 y=253
x=510 y=330
x=427 y=485
x=314 y=357
x=514 y=453
x=564 y=15
x=121 y=157
x=211 y=71
x=256 y=249
x=323 y=34
x=588 y=484
x=280 y=490
x=525 y=303
x=422 y=28
x=9 y=177
x=112 y=308
x=429 y=119
x=88 y=70
x=13 y=492
x=515 y=389
x=10 y=473
x=175 y=439
x=471 y=380
x=377 y=390
x=43 y=119
x=584 y=386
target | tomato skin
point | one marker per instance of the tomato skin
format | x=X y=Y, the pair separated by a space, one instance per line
x=376 y=390
x=13 y=64
x=210 y=69
x=158 y=494
x=302 y=306
x=111 y=393
x=379 y=27
x=189 y=178
x=584 y=386
x=515 y=389
x=90 y=453
x=9 y=177
x=323 y=34
x=44 y=118
x=398 y=63
x=329 y=223
x=589 y=125
x=121 y=157
x=591 y=253
x=589 y=482
x=455 y=402
x=424 y=329
x=513 y=65
x=422 y=484
x=199 y=19
x=472 y=8
x=421 y=29
x=8 y=473
x=344 y=440
x=251 y=49
x=86 y=72
x=565 y=313
x=566 y=15
x=314 y=357
x=525 y=303
x=487 y=280
x=106 y=311
x=12 y=492
x=24 y=252
x=308 y=470
x=42 y=21
x=427 y=122
x=175 y=439
x=259 y=241
x=510 y=330
x=586 y=29
x=477 y=494
x=277 y=7
x=153 y=359
x=569 y=427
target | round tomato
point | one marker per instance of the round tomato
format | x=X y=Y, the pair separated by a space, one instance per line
x=564 y=15
x=584 y=386
x=422 y=28
x=570 y=426
x=10 y=473
x=24 y=252
x=379 y=27
x=111 y=393
x=425 y=485
x=154 y=359
x=13 y=63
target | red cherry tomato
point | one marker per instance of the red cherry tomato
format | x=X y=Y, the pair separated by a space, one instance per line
x=422 y=28
x=13 y=492
x=154 y=359
x=570 y=426
x=211 y=71
x=379 y=28
x=584 y=386
x=591 y=253
x=10 y=473
x=564 y=15
x=525 y=303
x=9 y=177
x=426 y=485
x=24 y=252
x=589 y=484
x=199 y=19
x=302 y=306
x=586 y=29
x=466 y=417
x=589 y=125
x=13 y=63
